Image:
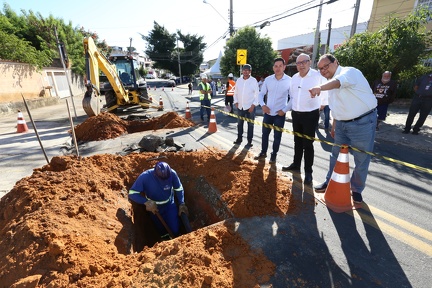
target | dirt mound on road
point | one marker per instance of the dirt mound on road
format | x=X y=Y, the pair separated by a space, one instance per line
x=108 y=126
x=69 y=224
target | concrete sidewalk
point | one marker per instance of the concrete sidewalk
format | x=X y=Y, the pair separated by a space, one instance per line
x=391 y=129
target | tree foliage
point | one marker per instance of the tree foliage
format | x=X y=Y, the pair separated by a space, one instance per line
x=162 y=48
x=13 y=48
x=398 y=47
x=260 y=53
x=30 y=38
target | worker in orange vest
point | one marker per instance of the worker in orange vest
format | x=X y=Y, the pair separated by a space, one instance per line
x=229 y=92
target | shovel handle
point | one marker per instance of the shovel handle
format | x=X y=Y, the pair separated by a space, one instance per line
x=165 y=225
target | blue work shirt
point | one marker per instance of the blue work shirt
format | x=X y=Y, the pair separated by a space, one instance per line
x=150 y=187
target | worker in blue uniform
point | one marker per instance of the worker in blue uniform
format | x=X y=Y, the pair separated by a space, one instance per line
x=158 y=189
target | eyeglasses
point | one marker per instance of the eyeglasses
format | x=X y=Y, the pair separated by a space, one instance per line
x=325 y=67
x=304 y=62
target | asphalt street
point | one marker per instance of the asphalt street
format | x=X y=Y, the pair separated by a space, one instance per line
x=388 y=243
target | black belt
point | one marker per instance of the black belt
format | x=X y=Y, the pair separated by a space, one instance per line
x=304 y=112
x=361 y=116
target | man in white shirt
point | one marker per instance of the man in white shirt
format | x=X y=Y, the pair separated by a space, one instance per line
x=354 y=114
x=305 y=115
x=276 y=87
x=245 y=100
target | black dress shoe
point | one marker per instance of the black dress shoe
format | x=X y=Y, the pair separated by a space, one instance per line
x=260 y=156
x=249 y=144
x=357 y=197
x=291 y=167
x=238 y=141
x=308 y=178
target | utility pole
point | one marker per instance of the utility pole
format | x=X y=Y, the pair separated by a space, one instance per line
x=354 y=23
x=231 y=25
x=178 y=59
x=317 y=36
x=328 y=36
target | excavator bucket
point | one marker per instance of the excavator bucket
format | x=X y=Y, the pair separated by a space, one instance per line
x=91 y=104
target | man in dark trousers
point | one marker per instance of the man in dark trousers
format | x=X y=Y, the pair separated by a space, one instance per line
x=229 y=92
x=422 y=101
x=305 y=115
x=205 y=97
x=384 y=90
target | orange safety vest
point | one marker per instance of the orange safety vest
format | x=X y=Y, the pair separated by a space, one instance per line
x=231 y=87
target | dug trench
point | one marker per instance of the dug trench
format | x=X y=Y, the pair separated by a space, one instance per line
x=70 y=223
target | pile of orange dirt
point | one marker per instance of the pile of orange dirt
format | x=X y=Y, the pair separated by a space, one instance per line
x=69 y=224
x=108 y=126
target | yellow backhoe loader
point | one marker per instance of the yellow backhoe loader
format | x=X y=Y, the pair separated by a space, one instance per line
x=125 y=88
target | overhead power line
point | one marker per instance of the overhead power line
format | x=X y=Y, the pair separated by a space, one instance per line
x=294 y=13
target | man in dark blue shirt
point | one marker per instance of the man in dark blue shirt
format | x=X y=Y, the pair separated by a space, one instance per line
x=422 y=101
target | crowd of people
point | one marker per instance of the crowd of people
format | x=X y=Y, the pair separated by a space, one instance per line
x=356 y=107
x=332 y=91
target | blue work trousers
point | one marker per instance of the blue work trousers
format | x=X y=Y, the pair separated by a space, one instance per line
x=205 y=109
x=169 y=213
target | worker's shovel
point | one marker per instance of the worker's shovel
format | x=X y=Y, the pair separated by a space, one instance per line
x=164 y=224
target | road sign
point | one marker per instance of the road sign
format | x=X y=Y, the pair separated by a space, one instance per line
x=241 y=56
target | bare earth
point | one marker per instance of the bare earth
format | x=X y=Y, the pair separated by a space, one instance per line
x=69 y=224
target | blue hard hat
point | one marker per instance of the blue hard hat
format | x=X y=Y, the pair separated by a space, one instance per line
x=162 y=170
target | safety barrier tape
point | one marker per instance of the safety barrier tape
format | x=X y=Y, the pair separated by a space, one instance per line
x=410 y=165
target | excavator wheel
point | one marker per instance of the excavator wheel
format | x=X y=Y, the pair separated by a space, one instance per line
x=111 y=100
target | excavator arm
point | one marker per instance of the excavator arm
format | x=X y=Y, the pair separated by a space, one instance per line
x=96 y=61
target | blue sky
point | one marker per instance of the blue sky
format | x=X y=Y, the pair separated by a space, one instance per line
x=117 y=21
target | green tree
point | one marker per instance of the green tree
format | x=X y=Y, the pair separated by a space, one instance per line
x=191 y=55
x=259 y=52
x=15 y=49
x=163 y=50
x=398 y=47
x=33 y=41
x=160 y=47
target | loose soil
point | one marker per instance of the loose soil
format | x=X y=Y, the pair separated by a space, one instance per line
x=70 y=223
x=110 y=126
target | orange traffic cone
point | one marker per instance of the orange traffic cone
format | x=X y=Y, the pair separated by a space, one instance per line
x=154 y=88
x=337 y=196
x=188 y=113
x=21 y=123
x=160 y=103
x=150 y=98
x=212 y=123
